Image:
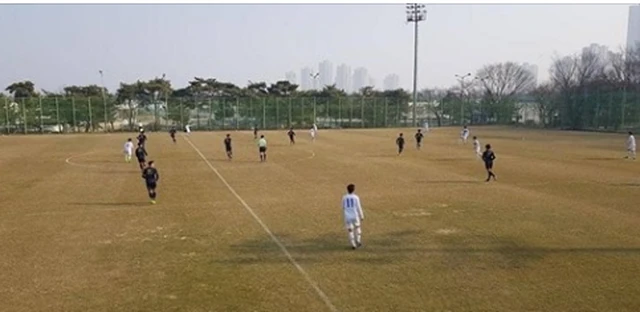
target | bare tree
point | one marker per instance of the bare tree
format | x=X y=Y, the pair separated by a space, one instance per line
x=501 y=84
x=545 y=96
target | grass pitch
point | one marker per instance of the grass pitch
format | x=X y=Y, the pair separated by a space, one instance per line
x=559 y=231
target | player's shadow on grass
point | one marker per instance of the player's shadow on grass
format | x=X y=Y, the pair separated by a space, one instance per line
x=449 y=251
x=625 y=184
x=454 y=159
x=449 y=181
x=603 y=158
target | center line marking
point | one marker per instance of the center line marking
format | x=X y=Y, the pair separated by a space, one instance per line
x=284 y=250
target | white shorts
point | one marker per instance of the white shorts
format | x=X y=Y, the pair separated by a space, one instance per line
x=128 y=152
x=351 y=223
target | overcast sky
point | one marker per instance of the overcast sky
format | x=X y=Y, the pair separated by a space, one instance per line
x=58 y=45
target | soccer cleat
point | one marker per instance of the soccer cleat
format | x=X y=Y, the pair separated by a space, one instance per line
x=153 y=202
x=359 y=245
x=353 y=247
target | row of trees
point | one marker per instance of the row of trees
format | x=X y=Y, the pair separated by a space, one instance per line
x=596 y=88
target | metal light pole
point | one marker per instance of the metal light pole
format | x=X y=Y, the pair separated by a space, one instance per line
x=315 y=79
x=415 y=13
x=462 y=89
x=484 y=83
x=104 y=99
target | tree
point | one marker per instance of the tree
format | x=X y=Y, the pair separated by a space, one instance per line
x=502 y=83
x=23 y=89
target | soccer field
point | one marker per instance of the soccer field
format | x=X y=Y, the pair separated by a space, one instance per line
x=558 y=231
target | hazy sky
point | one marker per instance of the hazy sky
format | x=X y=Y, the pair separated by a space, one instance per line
x=58 y=45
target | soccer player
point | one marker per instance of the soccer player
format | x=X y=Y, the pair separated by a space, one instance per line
x=476 y=147
x=312 y=133
x=151 y=177
x=227 y=146
x=142 y=138
x=128 y=150
x=419 y=136
x=488 y=157
x=292 y=136
x=352 y=210
x=262 y=148
x=255 y=132
x=400 y=143
x=631 y=146
x=464 y=135
x=141 y=154
x=315 y=130
x=172 y=133
x=187 y=129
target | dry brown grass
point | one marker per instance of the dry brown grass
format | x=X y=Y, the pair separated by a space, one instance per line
x=559 y=231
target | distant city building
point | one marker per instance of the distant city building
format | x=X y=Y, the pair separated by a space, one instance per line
x=360 y=78
x=391 y=82
x=343 y=78
x=633 y=28
x=325 y=68
x=306 y=82
x=291 y=77
x=372 y=82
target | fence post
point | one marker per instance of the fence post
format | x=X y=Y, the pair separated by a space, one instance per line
x=326 y=104
x=351 y=113
x=182 y=123
x=264 y=112
x=386 y=111
x=277 y=113
x=236 y=113
x=290 y=117
x=302 y=119
x=375 y=121
x=90 y=115
x=41 y=123
x=197 y=115
x=339 y=112
x=104 y=103
x=397 y=113
x=6 y=114
x=58 y=116
x=73 y=111
x=24 y=116
x=314 y=110
x=362 y=112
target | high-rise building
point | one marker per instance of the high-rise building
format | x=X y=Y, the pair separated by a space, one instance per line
x=633 y=28
x=343 y=78
x=372 y=82
x=325 y=68
x=291 y=77
x=306 y=82
x=360 y=78
x=391 y=82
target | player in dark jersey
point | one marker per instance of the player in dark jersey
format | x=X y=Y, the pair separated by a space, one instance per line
x=151 y=177
x=141 y=154
x=142 y=138
x=172 y=133
x=400 y=143
x=419 y=136
x=292 y=136
x=227 y=146
x=255 y=132
x=488 y=157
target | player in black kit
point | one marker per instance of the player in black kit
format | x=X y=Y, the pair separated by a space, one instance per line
x=141 y=153
x=151 y=177
x=227 y=146
x=419 y=137
x=292 y=136
x=488 y=157
x=400 y=143
x=255 y=132
x=172 y=133
x=142 y=138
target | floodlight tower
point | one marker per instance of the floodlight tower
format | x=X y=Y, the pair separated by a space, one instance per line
x=415 y=13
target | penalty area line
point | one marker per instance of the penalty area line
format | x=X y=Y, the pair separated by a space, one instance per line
x=275 y=239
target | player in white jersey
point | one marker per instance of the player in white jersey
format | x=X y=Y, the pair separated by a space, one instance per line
x=353 y=215
x=426 y=126
x=464 y=135
x=312 y=132
x=128 y=150
x=477 y=147
x=631 y=146
x=187 y=129
x=315 y=128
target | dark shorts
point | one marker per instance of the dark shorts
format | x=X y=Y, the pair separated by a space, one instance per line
x=263 y=149
x=151 y=185
x=488 y=164
x=228 y=149
x=141 y=160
